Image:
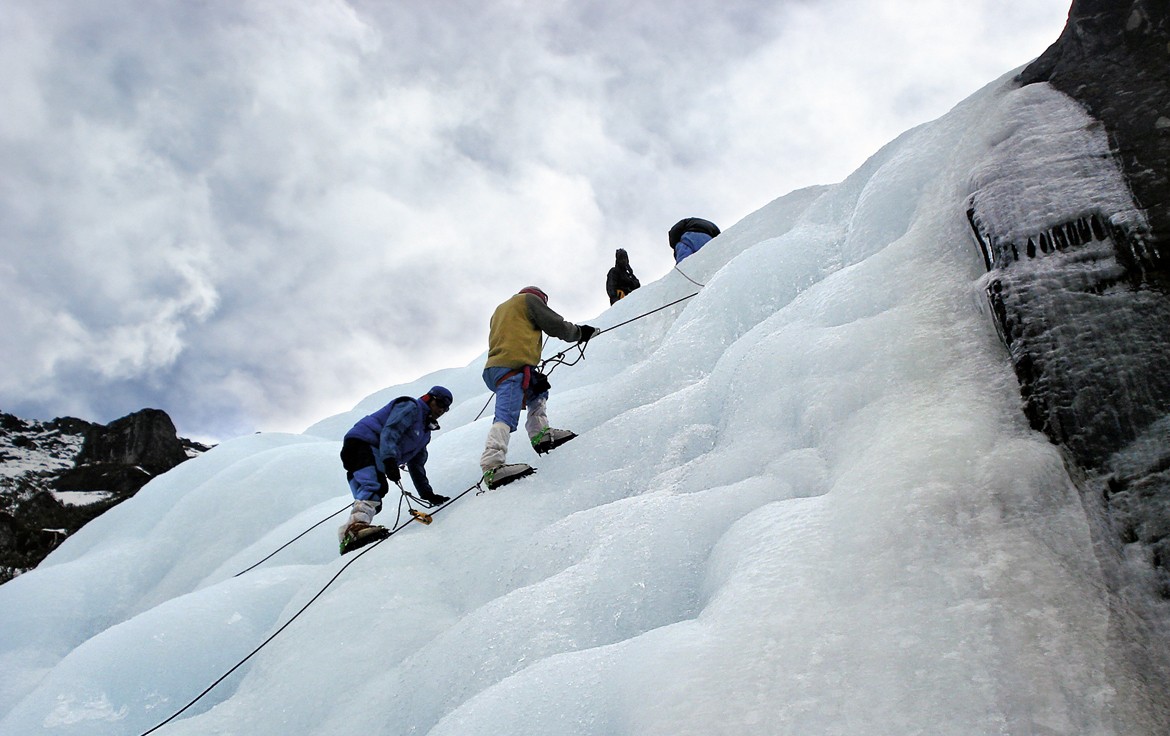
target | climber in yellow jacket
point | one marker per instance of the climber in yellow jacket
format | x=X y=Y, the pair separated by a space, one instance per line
x=514 y=345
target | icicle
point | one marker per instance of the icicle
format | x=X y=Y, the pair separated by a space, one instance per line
x=1098 y=228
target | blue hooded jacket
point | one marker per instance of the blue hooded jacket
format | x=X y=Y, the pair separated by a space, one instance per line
x=688 y=244
x=399 y=435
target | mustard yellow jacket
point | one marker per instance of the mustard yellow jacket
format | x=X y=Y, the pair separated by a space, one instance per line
x=514 y=336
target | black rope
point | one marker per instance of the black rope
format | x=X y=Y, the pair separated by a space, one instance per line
x=276 y=633
x=647 y=314
x=269 y=557
x=270 y=638
x=485 y=406
x=555 y=360
x=559 y=358
x=408 y=497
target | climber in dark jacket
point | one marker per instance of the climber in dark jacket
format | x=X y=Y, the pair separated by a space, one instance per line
x=621 y=279
x=688 y=235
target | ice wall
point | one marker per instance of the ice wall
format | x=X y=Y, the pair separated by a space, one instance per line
x=805 y=500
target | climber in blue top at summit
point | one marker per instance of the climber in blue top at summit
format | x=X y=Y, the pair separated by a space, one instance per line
x=395 y=435
x=687 y=236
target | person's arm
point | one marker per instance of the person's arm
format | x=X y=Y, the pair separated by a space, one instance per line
x=401 y=419
x=610 y=286
x=550 y=322
x=418 y=473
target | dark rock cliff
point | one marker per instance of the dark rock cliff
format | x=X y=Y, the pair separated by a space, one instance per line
x=1072 y=213
x=1114 y=58
x=57 y=476
x=1071 y=210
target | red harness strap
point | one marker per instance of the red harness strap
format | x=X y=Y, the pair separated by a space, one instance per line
x=527 y=371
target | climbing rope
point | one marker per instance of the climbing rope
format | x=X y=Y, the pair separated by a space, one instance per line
x=688 y=278
x=554 y=361
x=270 y=638
x=418 y=514
x=560 y=359
x=273 y=553
x=303 y=608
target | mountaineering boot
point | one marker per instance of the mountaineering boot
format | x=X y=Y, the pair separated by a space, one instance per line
x=549 y=439
x=359 y=534
x=502 y=475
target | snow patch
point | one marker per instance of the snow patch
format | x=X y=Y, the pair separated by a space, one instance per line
x=81 y=498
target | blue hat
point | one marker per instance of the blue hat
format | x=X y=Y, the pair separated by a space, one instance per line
x=441 y=395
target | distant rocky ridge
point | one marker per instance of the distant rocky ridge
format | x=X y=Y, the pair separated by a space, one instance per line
x=56 y=476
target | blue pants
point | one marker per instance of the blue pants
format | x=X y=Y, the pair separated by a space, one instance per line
x=361 y=470
x=510 y=395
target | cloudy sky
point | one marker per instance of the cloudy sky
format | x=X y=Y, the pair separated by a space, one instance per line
x=253 y=213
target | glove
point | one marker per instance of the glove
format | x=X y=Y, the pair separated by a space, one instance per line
x=586 y=332
x=392 y=471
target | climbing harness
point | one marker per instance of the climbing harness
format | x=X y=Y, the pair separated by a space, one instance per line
x=560 y=359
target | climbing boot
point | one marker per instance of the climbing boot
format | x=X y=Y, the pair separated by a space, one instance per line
x=549 y=439
x=502 y=475
x=358 y=535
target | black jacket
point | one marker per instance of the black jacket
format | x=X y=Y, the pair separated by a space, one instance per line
x=620 y=278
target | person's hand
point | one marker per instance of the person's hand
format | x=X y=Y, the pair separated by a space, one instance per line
x=392 y=471
x=586 y=332
x=434 y=499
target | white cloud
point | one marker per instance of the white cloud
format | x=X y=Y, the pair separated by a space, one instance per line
x=250 y=213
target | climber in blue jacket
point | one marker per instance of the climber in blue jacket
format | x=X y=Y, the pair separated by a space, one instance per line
x=690 y=234
x=378 y=445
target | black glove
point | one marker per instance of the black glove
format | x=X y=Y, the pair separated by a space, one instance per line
x=586 y=332
x=392 y=471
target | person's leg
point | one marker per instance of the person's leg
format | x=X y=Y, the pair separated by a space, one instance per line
x=363 y=512
x=509 y=396
x=366 y=482
x=543 y=437
x=537 y=419
x=495 y=450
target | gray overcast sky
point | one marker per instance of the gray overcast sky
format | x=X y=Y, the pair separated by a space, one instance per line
x=253 y=213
